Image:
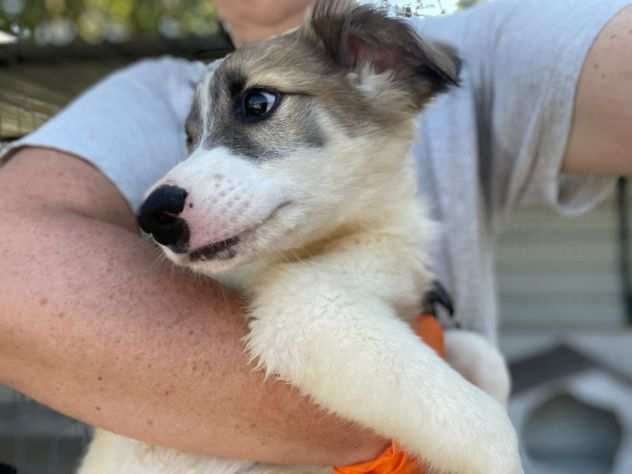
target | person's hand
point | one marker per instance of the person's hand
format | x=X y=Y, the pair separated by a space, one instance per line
x=253 y=20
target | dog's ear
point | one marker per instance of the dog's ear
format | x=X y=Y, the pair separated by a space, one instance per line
x=365 y=41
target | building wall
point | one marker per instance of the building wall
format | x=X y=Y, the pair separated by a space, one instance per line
x=560 y=273
x=558 y=282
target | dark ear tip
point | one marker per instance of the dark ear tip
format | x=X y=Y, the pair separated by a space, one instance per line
x=458 y=67
x=456 y=81
x=451 y=63
x=443 y=66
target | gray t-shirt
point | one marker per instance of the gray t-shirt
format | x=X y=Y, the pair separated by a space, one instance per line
x=484 y=149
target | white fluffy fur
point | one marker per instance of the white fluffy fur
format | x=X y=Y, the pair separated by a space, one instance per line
x=331 y=315
x=333 y=261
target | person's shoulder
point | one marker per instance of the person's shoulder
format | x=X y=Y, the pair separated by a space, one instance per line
x=165 y=69
x=168 y=63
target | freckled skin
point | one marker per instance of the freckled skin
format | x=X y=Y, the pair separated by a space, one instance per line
x=603 y=108
x=107 y=284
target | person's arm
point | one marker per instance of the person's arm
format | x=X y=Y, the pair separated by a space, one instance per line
x=601 y=138
x=93 y=324
x=541 y=121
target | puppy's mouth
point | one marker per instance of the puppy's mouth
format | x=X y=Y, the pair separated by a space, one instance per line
x=223 y=250
x=226 y=249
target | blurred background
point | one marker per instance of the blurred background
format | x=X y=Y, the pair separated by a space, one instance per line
x=564 y=284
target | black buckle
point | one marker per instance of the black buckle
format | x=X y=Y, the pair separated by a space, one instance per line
x=438 y=297
x=6 y=469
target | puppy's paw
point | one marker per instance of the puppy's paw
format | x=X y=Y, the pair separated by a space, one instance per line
x=479 y=362
x=498 y=449
x=479 y=440
x=507 y=461
x=490 y=448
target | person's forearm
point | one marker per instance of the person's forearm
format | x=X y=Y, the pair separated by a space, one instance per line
x=94 y=325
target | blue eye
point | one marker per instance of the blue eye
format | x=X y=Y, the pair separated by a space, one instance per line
x=258 y=104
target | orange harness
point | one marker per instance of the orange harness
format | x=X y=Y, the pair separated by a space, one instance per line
x=393 y=460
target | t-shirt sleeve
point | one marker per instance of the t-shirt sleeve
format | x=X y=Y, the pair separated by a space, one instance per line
x=130 y=126
x=524 y=60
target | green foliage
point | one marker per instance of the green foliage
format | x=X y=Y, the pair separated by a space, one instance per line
x=61 y=21
x=468 y=3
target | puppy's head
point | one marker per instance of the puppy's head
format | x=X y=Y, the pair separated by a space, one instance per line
x=295 y=138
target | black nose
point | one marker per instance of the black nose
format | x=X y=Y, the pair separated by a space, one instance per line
x=158 y=216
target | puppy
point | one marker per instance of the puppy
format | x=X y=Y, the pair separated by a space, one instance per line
x=300 y=192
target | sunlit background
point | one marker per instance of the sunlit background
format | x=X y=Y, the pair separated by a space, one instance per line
x=63 y=21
